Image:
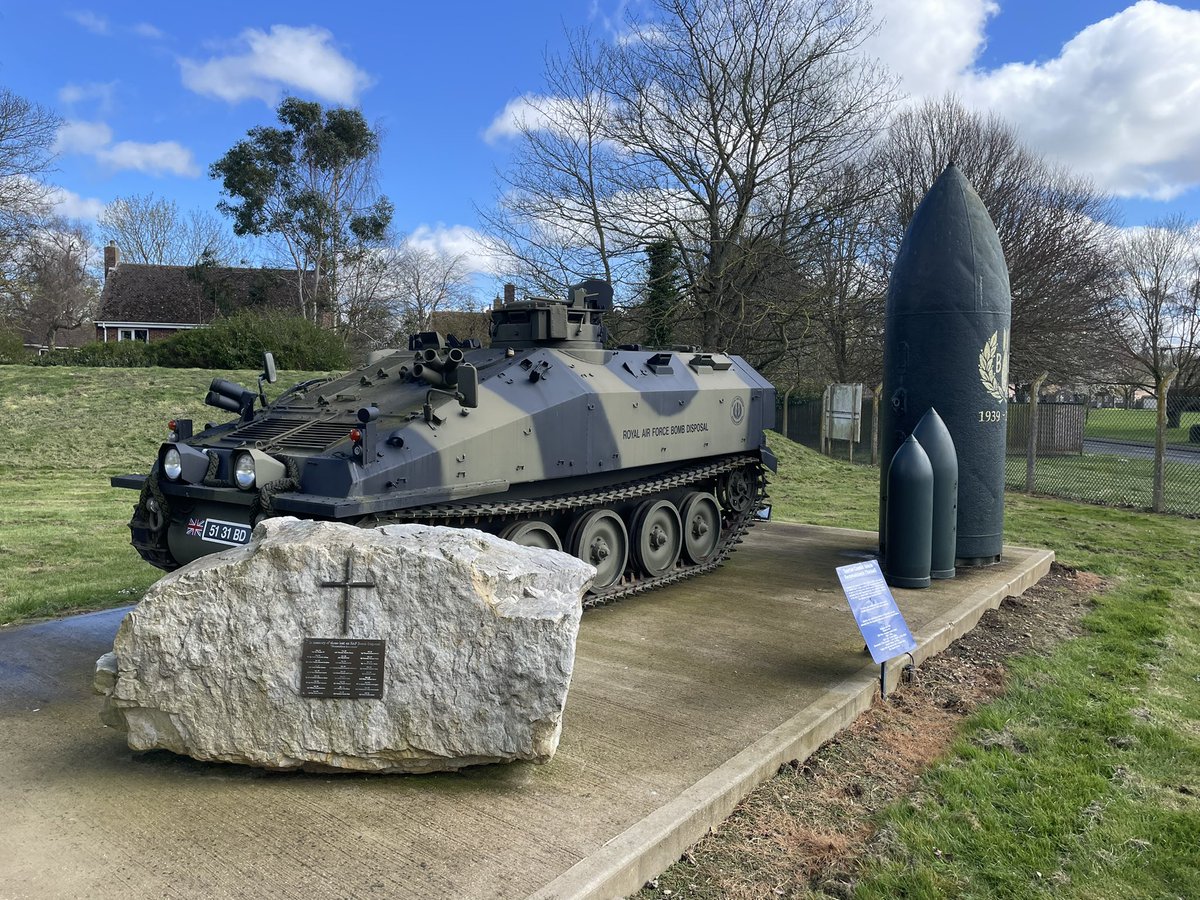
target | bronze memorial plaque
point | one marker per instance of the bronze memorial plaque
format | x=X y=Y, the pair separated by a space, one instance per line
x=341 y=669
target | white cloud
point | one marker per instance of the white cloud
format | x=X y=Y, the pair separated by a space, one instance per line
x=100 y=92
x=95 y=139
x=519 y=113
x=929 y=43
x=536 y=112
x=283 y=59
x=643 y=34
x=160 y=158
x=85 y=18
x=88 y=138
x=70 y=205
x=1118 y=103
x=146 y=30
x=455 y=240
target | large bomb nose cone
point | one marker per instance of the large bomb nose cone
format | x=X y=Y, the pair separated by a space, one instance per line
x=950 y=259
x=946 y=345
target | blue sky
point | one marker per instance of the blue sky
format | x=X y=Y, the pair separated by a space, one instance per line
x=152 y=93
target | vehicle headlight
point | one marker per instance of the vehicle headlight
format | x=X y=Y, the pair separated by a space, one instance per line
x=252 y=467
x=243 y=471
x=172 y=464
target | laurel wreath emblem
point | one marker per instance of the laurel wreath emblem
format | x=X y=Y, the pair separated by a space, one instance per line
x=993 y=366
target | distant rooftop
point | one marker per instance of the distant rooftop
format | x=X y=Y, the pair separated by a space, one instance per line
x=134 y=292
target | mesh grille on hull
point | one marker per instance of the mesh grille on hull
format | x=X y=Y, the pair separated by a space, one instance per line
x=292 y=434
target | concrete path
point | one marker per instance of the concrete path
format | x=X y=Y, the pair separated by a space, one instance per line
x=682 y=702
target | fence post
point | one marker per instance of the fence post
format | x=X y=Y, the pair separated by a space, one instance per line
x=875 y=424
x=1031 y=444
x=824 y=414
x=1160 y=435
x=786 y=399
x=1087 y=414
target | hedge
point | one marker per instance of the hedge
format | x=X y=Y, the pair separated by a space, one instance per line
x=12 y=348
x=236 y=342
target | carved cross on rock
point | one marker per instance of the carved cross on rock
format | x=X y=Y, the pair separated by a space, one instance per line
x=345 y=584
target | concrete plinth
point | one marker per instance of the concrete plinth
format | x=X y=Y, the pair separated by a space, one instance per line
x=682 y=701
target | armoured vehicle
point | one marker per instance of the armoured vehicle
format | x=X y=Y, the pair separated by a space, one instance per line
x=650 y=464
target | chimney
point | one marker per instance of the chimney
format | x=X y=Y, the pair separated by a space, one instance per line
x=510 y=292
x=112 y=256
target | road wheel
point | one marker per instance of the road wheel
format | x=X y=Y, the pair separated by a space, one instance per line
x=600 y=538
x=701 y=527
x=532 y=533
x=658 y=537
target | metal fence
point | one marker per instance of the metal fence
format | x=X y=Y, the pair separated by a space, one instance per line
x=1113 y=464
x=1098 y=455
x=803 y=425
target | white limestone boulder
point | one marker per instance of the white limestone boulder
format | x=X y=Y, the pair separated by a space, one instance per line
x=479 y=643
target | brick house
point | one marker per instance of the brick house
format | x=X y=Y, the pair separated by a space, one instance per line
x=148 y=302
x=64 y=339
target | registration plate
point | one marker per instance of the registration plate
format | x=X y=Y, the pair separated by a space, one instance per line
x=231 y=533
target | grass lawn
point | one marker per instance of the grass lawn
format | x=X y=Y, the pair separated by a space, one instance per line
x=1111 y=480
x=64 y=544
x=1100 y=796
x=1135 y=425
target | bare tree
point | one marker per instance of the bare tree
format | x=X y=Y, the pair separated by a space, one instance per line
x=366 y=313
x=426 y=282
x=1054 y=228
x=396 y=290
x=58 y=289
x=1155 y=318
x=153 y=230
x=551 y=223
x=716 y=125
x=846 y=285
x=27 y=134
x=740 y=115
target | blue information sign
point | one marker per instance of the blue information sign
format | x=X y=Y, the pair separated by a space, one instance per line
x=875 y=610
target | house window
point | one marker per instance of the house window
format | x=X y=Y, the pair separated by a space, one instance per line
x=134 y=334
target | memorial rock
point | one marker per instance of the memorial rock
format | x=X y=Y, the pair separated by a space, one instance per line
x=322 y=646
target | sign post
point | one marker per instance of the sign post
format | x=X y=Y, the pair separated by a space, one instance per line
x=879 y=619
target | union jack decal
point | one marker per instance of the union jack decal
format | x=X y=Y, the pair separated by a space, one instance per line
x=195 y=527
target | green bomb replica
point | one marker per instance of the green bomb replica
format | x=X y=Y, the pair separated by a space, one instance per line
x=648 y=464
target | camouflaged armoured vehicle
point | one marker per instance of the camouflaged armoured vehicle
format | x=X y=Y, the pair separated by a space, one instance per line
x=649 y=464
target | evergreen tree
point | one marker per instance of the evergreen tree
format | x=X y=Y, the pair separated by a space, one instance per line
x=662 y=293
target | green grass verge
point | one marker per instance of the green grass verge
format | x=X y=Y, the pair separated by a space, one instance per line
x=1111 y=480
x=1069 y=785
x=822 y=491
x=65 y=547
x=64 y=544
x=1083 y=780
x=1135 y=425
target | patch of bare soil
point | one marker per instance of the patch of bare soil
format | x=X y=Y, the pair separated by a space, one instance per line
x=797 y=832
